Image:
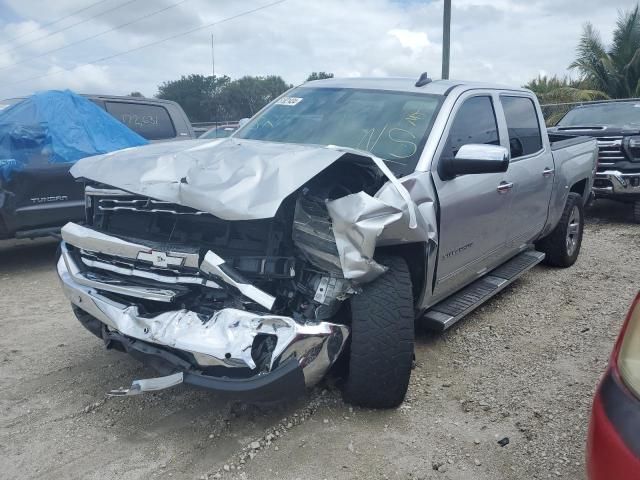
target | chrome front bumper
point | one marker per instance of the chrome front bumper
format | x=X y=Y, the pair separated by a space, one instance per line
x=617 y=183
x=222 y=339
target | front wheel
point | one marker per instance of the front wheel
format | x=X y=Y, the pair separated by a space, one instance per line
x=636 y=211
x=562 y=245
x=382 y=338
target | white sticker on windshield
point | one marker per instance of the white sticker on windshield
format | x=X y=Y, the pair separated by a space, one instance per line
x=289 y=101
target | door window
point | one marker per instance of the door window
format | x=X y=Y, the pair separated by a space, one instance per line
x=149 y=121
x=475 y=122
x=523 y=126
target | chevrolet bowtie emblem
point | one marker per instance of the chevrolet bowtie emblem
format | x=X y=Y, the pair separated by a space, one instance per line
x=161 y=259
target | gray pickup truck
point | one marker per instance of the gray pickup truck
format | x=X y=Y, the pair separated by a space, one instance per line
x=325 y=228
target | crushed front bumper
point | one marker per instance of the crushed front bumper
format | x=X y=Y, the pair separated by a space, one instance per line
x=222 y=342
x=614 y=183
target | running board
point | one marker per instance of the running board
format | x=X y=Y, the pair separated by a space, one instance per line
x=444 y=314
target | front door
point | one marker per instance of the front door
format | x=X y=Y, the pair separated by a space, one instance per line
x=474 y=209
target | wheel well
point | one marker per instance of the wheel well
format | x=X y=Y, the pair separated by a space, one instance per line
x=579 y=188
x=415 y=254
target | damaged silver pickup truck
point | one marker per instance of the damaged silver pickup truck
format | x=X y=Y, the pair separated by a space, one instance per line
x=324 y=228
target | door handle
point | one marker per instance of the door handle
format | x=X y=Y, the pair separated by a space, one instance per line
x=547 y=172
x=504 y=187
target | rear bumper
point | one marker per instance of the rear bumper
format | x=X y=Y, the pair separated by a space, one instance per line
x=182 y=340
x=613 y=445
x=614 y=183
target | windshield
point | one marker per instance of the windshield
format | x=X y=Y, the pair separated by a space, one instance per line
x=391 y=125
x=614 y=114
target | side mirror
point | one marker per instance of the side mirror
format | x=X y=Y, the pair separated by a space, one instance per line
x=477 y=158
x=242 y=122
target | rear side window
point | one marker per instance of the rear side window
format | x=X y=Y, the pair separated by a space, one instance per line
x=475 y=122
x=150 y=121
x=523 y=126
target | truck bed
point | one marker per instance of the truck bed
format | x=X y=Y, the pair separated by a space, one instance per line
x=559 y=140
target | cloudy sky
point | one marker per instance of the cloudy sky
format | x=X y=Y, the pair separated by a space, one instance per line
x=507 y=41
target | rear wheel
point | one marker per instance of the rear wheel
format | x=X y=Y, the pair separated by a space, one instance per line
x=636 y=211
x=562 y=245
x=382 y=337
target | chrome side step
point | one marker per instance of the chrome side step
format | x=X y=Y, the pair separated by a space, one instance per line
x=446 y=313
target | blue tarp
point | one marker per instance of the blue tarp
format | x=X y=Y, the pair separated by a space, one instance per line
x=58 y=127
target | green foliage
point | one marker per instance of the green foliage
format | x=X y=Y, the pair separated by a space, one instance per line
x=136 y=94
x=207 y=98
x=615 y=71
x=563 y=90
x=319 y=76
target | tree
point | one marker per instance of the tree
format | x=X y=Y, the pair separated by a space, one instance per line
x=194 y=93
x=614 y=71
x=562 y=90
x=319 y=76
x=243 y=97
x=221 y=99
x=136 y=94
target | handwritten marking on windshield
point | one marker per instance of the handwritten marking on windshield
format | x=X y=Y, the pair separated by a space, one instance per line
x=414 y=117
x=412 y=146
x=396 y=135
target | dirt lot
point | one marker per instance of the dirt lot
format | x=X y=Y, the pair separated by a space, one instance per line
x=524 y=366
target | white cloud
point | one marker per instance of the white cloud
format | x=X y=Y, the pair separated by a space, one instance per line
x=506 y=41
x=414 y=41
x=86 y=78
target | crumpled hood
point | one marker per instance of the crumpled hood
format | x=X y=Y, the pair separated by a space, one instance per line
x=229 y=178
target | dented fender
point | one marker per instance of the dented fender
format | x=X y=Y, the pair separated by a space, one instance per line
x=362 y=222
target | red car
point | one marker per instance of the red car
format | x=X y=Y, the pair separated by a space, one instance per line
x=613 y=446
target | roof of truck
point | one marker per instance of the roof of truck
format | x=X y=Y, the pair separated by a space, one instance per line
x=405 y=84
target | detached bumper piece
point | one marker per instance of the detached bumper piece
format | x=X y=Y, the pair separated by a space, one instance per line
x=245 y=353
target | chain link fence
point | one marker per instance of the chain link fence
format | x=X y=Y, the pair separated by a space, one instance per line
x=553 y=112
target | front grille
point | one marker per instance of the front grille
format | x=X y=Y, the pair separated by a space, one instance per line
x=610 y=152
x=165 y=223
x=257 y=248
x=143 y=205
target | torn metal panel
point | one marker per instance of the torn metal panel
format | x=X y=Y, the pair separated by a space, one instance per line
x=362 y=222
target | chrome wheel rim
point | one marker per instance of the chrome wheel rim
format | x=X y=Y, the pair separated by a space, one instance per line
x=573 y=230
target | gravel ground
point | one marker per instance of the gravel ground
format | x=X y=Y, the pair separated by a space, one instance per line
x=523 y=367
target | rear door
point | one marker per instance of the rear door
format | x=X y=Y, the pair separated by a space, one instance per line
x=474 y=210
x=531 y=170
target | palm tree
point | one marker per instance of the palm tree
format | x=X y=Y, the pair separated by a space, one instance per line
x=615 y=71
x=563 y=90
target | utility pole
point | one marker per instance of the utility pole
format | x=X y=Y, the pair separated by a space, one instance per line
x=213 y=79
x=446 y=39
x=213 y=56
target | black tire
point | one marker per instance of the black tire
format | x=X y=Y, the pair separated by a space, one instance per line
x=382 y=338
x=636 y=211
x=559 y=250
